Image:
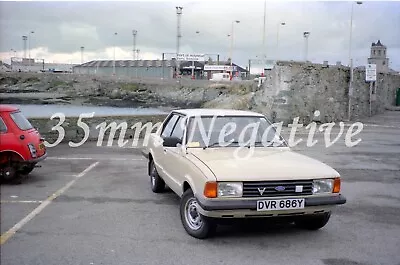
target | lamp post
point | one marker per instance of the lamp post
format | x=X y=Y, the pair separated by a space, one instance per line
x=29 y=45
x=351 y=29
x=178 y=37
x=306 y=34
x=277 y=38
x=82 y=48
x=350 y=93
x=115 y=34
x=197 y=32
x=178 y=27
x=134 y=33
x=264 y=27
x=233 y=22
x=231 y=48
x=24 y=39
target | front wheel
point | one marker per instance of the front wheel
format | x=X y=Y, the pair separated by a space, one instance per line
x=313 y=222
x=195 y=224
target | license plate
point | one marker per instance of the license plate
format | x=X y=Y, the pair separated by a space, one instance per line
x=41 y=146
x=282 y=204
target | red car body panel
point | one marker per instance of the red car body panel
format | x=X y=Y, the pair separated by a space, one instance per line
x=16 y=140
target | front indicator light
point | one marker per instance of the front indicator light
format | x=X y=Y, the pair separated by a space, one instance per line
x=210 y=190
x=336 y=185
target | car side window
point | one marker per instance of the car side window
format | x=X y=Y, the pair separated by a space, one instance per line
x=3 y=127
x=179 y=128
x=169 y=126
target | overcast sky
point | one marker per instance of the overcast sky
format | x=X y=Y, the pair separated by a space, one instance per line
x=61 y=28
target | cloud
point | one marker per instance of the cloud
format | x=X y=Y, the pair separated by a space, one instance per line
x=61 y=28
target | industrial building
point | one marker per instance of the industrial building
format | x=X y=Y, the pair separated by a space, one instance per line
x=151 y=69
x=129 y=68
x=38 y=65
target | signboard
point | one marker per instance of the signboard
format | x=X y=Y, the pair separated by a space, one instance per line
x=370 y=72
x=227 y=68
x=266 y=64
x=190 y=57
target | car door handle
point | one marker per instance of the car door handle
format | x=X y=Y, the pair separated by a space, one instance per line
x=165 y=150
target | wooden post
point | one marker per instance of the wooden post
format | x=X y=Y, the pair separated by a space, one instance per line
x=370 y=99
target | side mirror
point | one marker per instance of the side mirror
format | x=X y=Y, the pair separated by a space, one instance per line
x=171 y=141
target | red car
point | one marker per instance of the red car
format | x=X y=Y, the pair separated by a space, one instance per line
x=21 y=146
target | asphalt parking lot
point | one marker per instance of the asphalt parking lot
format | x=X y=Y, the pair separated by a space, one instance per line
x=96 y=207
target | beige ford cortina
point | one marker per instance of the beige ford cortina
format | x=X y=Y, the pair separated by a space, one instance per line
x=233 y=164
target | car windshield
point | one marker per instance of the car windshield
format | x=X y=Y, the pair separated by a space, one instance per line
x=21 y=121
x=227 y=131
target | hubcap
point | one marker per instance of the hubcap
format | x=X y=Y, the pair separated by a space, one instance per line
x=192 y=216
x=153 y=176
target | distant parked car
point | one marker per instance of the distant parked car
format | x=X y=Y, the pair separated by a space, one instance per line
x=190 y=154
x=220 y=77
x=21 y=146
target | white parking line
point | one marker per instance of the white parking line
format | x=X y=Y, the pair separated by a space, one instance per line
x=14 y=201
x=7 y=235
x=94 y=158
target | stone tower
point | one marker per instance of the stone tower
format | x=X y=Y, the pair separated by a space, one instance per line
x=378 y=57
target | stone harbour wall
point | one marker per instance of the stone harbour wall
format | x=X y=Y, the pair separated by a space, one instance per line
x=299 y=89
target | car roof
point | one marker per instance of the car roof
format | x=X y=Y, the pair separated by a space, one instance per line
x=7 y=108
x=214 y=112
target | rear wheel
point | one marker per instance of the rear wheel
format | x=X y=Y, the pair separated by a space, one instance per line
x=8 y=172
x=313 y=222
x=156 y=182
x=195 y=224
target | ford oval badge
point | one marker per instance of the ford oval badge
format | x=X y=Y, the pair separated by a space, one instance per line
x=279 y=188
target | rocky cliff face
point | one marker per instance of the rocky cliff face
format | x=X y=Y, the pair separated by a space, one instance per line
x=40 y=88
x=299 y=89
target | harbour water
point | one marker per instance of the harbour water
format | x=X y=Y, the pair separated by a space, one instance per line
x=46 y=111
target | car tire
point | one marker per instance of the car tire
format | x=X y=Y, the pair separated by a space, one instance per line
x=195 y=224
x=313 y=222
x=156 y=182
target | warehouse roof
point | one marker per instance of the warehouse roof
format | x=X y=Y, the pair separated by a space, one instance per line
x=128 y=63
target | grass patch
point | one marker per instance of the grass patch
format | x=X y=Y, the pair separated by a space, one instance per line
x=56 y=83
x=129 y=87
x=240 y=89
x=31 y=80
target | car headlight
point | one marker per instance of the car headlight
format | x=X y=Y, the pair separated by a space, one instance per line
x=230 y=189
x=323 y=186
x=32 y=150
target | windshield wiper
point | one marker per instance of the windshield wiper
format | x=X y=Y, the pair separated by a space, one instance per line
x=271 y=143
x=211 y=145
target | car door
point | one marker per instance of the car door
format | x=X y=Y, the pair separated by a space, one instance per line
x=160 y=153
x=174 y=157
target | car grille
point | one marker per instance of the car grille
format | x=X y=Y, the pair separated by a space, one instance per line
x=276 y=188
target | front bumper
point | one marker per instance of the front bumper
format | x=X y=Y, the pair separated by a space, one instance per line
x=217 y=205
x=248 y=208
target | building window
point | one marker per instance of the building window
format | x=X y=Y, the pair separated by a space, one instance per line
x=379 y=52
x=384 y=53
x=374 y=52
x=383 y=63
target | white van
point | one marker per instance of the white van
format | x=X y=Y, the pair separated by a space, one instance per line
x=220 y=77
